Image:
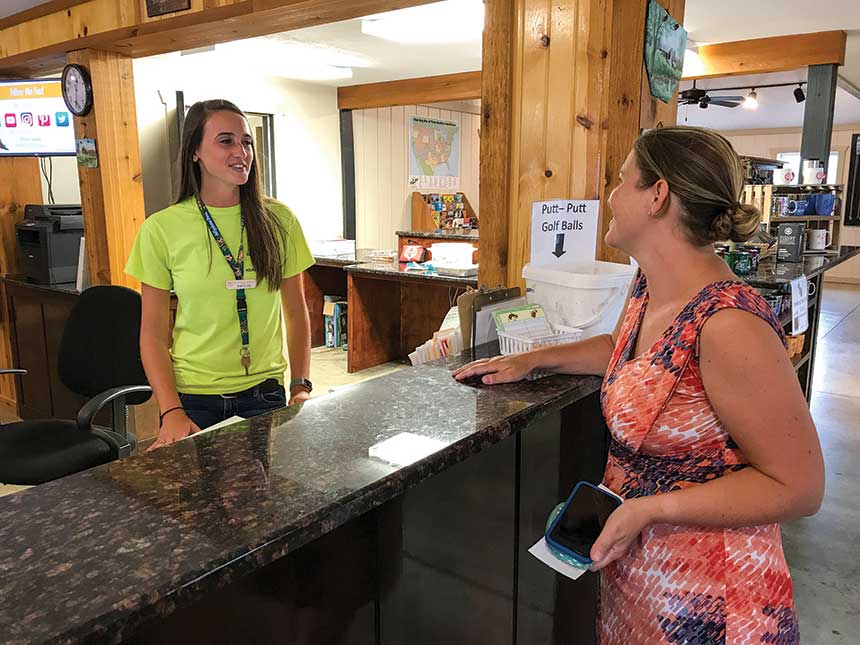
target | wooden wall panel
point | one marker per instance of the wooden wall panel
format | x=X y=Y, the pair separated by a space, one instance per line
x=19 y=186
x=112 y=194
x=383 y=198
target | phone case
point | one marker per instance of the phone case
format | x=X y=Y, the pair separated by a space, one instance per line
x=555 y=547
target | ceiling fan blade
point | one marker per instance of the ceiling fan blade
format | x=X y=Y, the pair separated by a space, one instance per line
x=728 y=98
x=724 y=103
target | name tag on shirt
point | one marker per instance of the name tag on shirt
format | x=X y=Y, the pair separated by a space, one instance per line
x=235 y=285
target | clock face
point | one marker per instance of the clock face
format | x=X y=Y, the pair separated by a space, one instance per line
x=77 y=90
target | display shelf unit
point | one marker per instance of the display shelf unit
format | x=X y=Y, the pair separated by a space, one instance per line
x=802 y=363
x=764 y=195
x=800 y=360
x=806 y=218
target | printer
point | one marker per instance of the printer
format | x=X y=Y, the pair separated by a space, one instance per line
x=49 y=241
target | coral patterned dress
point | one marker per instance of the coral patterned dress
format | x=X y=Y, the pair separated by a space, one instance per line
x=681 y=584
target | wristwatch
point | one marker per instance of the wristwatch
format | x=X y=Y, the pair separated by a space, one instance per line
x=303 y=383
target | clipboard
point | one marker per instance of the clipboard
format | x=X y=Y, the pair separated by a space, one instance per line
x=464 y=308
x=484 y=300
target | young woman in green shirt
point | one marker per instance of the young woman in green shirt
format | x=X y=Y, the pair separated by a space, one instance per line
x=234 y=259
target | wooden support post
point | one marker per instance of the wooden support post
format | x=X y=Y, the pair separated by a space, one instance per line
x=112 y=193
x=19 y=185
x=818 y=112
x=496 y=119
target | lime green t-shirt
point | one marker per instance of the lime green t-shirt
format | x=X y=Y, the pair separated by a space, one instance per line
x=170 y=252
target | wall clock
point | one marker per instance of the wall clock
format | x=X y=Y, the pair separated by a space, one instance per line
x=77 y=89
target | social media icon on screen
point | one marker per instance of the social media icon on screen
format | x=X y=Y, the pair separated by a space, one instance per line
x=11 y=121
x=44 y=120
x=27 y=118
x=62 y=119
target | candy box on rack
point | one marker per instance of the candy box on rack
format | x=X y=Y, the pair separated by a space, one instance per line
x=334 y=315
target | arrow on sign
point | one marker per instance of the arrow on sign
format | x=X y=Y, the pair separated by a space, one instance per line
x=559 y=245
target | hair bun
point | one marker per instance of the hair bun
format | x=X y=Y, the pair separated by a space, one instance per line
x=721 y=225
x=745 y=219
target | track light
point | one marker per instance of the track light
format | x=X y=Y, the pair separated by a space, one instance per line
x=799 y=96
x=751 y=102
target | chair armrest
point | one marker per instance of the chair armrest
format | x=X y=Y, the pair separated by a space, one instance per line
x=94 y=405
x=13 y=371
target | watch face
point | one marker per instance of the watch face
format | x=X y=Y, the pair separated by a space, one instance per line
x=77 y=91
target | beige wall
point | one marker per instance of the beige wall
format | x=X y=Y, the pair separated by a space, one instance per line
x=306 y=130
x=769 y=143
x=382 y=197
x=64 y=180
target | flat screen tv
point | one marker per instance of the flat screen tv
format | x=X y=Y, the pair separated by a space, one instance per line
x=34 y=120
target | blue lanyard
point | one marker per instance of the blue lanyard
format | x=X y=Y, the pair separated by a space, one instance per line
x=237 y=266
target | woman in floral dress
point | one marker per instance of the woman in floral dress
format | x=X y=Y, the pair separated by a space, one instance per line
x=712 y=444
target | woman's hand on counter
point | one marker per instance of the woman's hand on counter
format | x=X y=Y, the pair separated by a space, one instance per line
x=500 y=369
x=176 y=426
x=623 y=527
x=298 y=395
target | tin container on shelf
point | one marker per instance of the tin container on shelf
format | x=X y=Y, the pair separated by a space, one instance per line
x=740 y=262
x=755 y=254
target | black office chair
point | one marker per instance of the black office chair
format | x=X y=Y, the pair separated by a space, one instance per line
x=99 y=358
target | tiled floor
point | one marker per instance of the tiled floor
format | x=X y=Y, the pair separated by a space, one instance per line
x=823 y=551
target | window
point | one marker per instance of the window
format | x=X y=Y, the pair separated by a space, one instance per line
x=792 y=159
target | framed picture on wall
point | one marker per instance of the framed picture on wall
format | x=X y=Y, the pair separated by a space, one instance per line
x=852 y=195
x=160 y=7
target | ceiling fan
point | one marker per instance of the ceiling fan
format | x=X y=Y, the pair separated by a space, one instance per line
x=695 y=96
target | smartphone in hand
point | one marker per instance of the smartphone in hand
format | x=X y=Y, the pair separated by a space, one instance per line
x=582 y=518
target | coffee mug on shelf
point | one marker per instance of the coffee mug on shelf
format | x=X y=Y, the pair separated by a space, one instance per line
x=784 y=176
x=818 y=239
x=825 y=204
x=812 y=172
x=796 y=206
x=811 y=204
x=779 y=205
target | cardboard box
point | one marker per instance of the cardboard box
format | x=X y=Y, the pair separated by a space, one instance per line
x=334 y=315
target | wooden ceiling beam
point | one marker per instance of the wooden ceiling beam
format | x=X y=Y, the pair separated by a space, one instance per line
x=767 y=55
x=39 y=45
x=411 y=91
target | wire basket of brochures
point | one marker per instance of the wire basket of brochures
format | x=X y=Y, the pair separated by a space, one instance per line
x=513 y=343
x=525 y=328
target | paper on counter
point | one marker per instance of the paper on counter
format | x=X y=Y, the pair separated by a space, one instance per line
x=541 y=551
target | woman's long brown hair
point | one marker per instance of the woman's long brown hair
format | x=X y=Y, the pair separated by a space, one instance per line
x=266 y=236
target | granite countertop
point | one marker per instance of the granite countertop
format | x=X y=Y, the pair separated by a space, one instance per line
x=62 y=287
x=398 y=269
x=771 y=273
x=90 y=556
x=344 y=259
x=436 y=235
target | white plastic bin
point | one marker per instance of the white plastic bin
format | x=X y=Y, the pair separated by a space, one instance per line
x=589 y=297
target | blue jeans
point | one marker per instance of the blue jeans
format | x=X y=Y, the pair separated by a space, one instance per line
x=208 y=409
